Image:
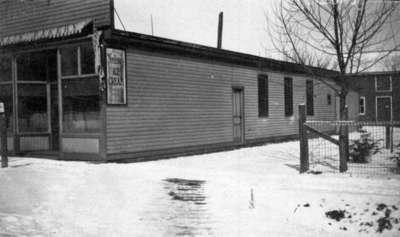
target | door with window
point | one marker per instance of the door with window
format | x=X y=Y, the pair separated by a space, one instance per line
x=37 y=104
x=384 y=108
x=238 y=114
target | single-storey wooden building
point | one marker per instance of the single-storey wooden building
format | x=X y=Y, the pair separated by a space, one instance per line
x=76 y=88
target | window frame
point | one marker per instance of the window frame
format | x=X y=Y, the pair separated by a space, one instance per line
x=289 y=111
x=310 y=110
x=80 y=76
x=364 y=105
x=263 y=112
x=390 y=84
x=328 y=99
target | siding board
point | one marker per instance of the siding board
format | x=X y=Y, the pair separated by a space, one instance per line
x=18 y=17
x=179 y=102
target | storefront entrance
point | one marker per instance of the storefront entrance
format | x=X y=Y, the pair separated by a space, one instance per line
x=52 y=100
x=37 y=101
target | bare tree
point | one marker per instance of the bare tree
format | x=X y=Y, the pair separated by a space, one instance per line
x=391 y=63
x=349 y=36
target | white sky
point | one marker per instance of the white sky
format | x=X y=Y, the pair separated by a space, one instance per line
x=196 y=21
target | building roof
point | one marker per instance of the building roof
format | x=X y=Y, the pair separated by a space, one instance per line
x=153 y=43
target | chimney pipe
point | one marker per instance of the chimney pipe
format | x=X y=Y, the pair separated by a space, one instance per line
x=220 y=26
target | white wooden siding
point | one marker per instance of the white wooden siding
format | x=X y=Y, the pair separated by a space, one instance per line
x=177 y=102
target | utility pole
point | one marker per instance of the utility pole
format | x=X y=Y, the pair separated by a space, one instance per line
x=3 y=136
x=152 y=25
x=220 y=27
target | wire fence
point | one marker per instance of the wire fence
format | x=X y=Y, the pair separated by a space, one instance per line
x=374 y=147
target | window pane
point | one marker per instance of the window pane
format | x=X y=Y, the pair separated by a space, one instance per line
x=87 y=59
x=262 y=95
x=362 y=105
x=310 y=97
x=81 y=105
x=5 y=69
x=383 y=83
x=6 y=98
x=69 y=61
x=329 y=99
x=32 y=66
x=288 y=91
x=32 y=108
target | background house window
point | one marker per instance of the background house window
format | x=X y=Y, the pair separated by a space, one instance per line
x=383 y=83
x=262 y=95
x=310 y=97
x=329 y=99
x=362 y=105
x=288 y=91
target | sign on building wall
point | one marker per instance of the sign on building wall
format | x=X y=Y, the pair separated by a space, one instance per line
x=116 y=77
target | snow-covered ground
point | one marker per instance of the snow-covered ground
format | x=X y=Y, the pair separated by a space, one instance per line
x=248 y=192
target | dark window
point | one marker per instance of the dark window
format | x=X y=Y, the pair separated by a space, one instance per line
x=37 y=66
x=288 y=90
x=262 y=95
x=362 y=105
x=5 y=69
x=329 y=99
x=87 y=59
x=81 y=108
x=6 y=98
x=383 y=83
x=32 y=66
x=69 y=61
x=310 y=97
x=32 y=108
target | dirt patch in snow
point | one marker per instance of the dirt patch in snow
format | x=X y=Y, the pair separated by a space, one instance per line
x=376 y=219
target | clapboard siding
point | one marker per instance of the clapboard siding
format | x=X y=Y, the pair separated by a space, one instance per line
x=18 y=17
x=181 y=102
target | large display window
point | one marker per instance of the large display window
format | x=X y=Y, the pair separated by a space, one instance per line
x=80 y=90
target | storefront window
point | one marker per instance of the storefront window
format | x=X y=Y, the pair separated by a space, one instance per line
x=69 y=61
x=87 y=59
x=32 y=66
x=32 y=108
x=81 y=105
x=5 y=69
x=6 y=98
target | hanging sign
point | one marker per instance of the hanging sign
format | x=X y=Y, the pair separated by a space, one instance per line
x=1 y=107
x=116 y=77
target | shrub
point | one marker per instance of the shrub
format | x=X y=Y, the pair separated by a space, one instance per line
x=361 y=149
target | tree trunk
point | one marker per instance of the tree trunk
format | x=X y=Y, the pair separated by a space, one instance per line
x=344 y=132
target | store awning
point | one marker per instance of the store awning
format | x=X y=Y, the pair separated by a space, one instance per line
x=52 y=33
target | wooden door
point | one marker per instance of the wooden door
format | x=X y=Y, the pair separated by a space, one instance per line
x=383 y=108
x=238 y=114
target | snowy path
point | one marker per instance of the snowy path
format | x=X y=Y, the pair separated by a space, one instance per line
x=248 y=192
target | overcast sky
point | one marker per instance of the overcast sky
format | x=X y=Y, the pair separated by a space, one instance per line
x=196 y=21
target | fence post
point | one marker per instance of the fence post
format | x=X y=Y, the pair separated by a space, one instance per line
x=344 y=144
x=3 y=137
x=388 y=136
x=391 y=136
x=304 y=163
